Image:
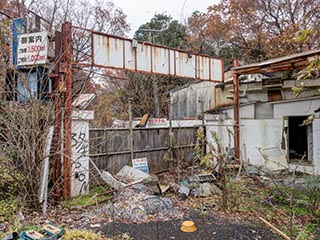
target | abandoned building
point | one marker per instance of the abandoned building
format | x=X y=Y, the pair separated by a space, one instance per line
x=278 y=128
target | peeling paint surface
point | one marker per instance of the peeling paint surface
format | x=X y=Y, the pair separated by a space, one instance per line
x=121 y=53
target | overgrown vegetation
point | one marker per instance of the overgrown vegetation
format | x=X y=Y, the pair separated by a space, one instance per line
x=293 y=208
x=96 y=195
x=81 y=234
x=9 y=208
x=23 y=135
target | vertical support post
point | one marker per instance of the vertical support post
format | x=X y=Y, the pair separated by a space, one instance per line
x=131 y=130
x=236 y=124
x=67 y=121
x=37 y=23
x=203 y=145
x=170 y=131
x=57 y=121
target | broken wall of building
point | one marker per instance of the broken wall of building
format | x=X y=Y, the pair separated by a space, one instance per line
x=267 y=133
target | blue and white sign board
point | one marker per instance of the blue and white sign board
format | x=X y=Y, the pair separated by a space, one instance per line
x=141 y=164
x=32 y=49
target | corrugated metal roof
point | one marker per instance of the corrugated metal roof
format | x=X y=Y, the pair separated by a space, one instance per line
x=291 y=62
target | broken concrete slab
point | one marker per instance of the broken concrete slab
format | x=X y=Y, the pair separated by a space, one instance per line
x=206 y=190
x=130 y=174
x=183 y=190
x=274 y=158
x=134 y=176
x=164 y=187
x=111 y=181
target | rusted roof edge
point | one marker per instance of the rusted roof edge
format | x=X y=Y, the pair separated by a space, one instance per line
x=275 y=64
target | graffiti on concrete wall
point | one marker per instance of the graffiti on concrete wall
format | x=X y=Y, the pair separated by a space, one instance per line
x=80 y=158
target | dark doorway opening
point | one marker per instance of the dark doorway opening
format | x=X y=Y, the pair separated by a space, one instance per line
x=299 y=140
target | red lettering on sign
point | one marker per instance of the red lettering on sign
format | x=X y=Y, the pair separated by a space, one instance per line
x=36 y=48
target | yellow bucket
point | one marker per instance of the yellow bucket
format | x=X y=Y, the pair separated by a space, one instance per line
x=188 y=226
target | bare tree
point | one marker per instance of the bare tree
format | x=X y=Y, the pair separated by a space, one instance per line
x=27 y=110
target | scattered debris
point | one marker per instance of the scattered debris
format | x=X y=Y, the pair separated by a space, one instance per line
x=274 y=158
x=137 y=205
x=128 y=174
x=206 y=178
x=48 y=231
x=11 y=236
x=282 y=234
x=3 y=227
x=108 y=178
x=133 y=176
x=164 y=187
x=183 y=190
x=206 y=190
x=95 y=225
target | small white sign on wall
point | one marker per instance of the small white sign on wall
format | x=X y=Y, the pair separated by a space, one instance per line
x=141 y=164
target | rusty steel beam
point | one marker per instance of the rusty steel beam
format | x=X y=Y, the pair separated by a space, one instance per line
x=67 y=120
x=236 y=113
x=57 y=122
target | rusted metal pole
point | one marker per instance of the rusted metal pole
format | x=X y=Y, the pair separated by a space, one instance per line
x=57 y=121
x=67 y=121
x=236 y=112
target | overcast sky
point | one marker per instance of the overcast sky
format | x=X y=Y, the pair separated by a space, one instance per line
x=141 y=11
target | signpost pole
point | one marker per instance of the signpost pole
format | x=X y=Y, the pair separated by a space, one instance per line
x=67 y=121
x=236 y=112
x=58 y=121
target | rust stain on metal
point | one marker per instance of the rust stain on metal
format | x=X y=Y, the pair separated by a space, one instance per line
x=169 y=62
x=210 y=77
x=151 y=58
x=57 y=123
x=67 y=49
x=236 y=112
x=106 y=45
x=222 y=69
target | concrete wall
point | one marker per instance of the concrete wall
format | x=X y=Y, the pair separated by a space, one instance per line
x=223 y=128
x=247 y=111
x=267 y=133
x=296 y=108
x=256 y=134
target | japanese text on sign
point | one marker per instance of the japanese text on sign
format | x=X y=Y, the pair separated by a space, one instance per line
x=141 y=164
x=32 y=48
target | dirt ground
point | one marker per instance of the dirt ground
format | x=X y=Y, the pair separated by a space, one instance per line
x=209 y=227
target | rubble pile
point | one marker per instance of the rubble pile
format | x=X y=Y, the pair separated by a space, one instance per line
x=137 y=205
x=139 y=198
